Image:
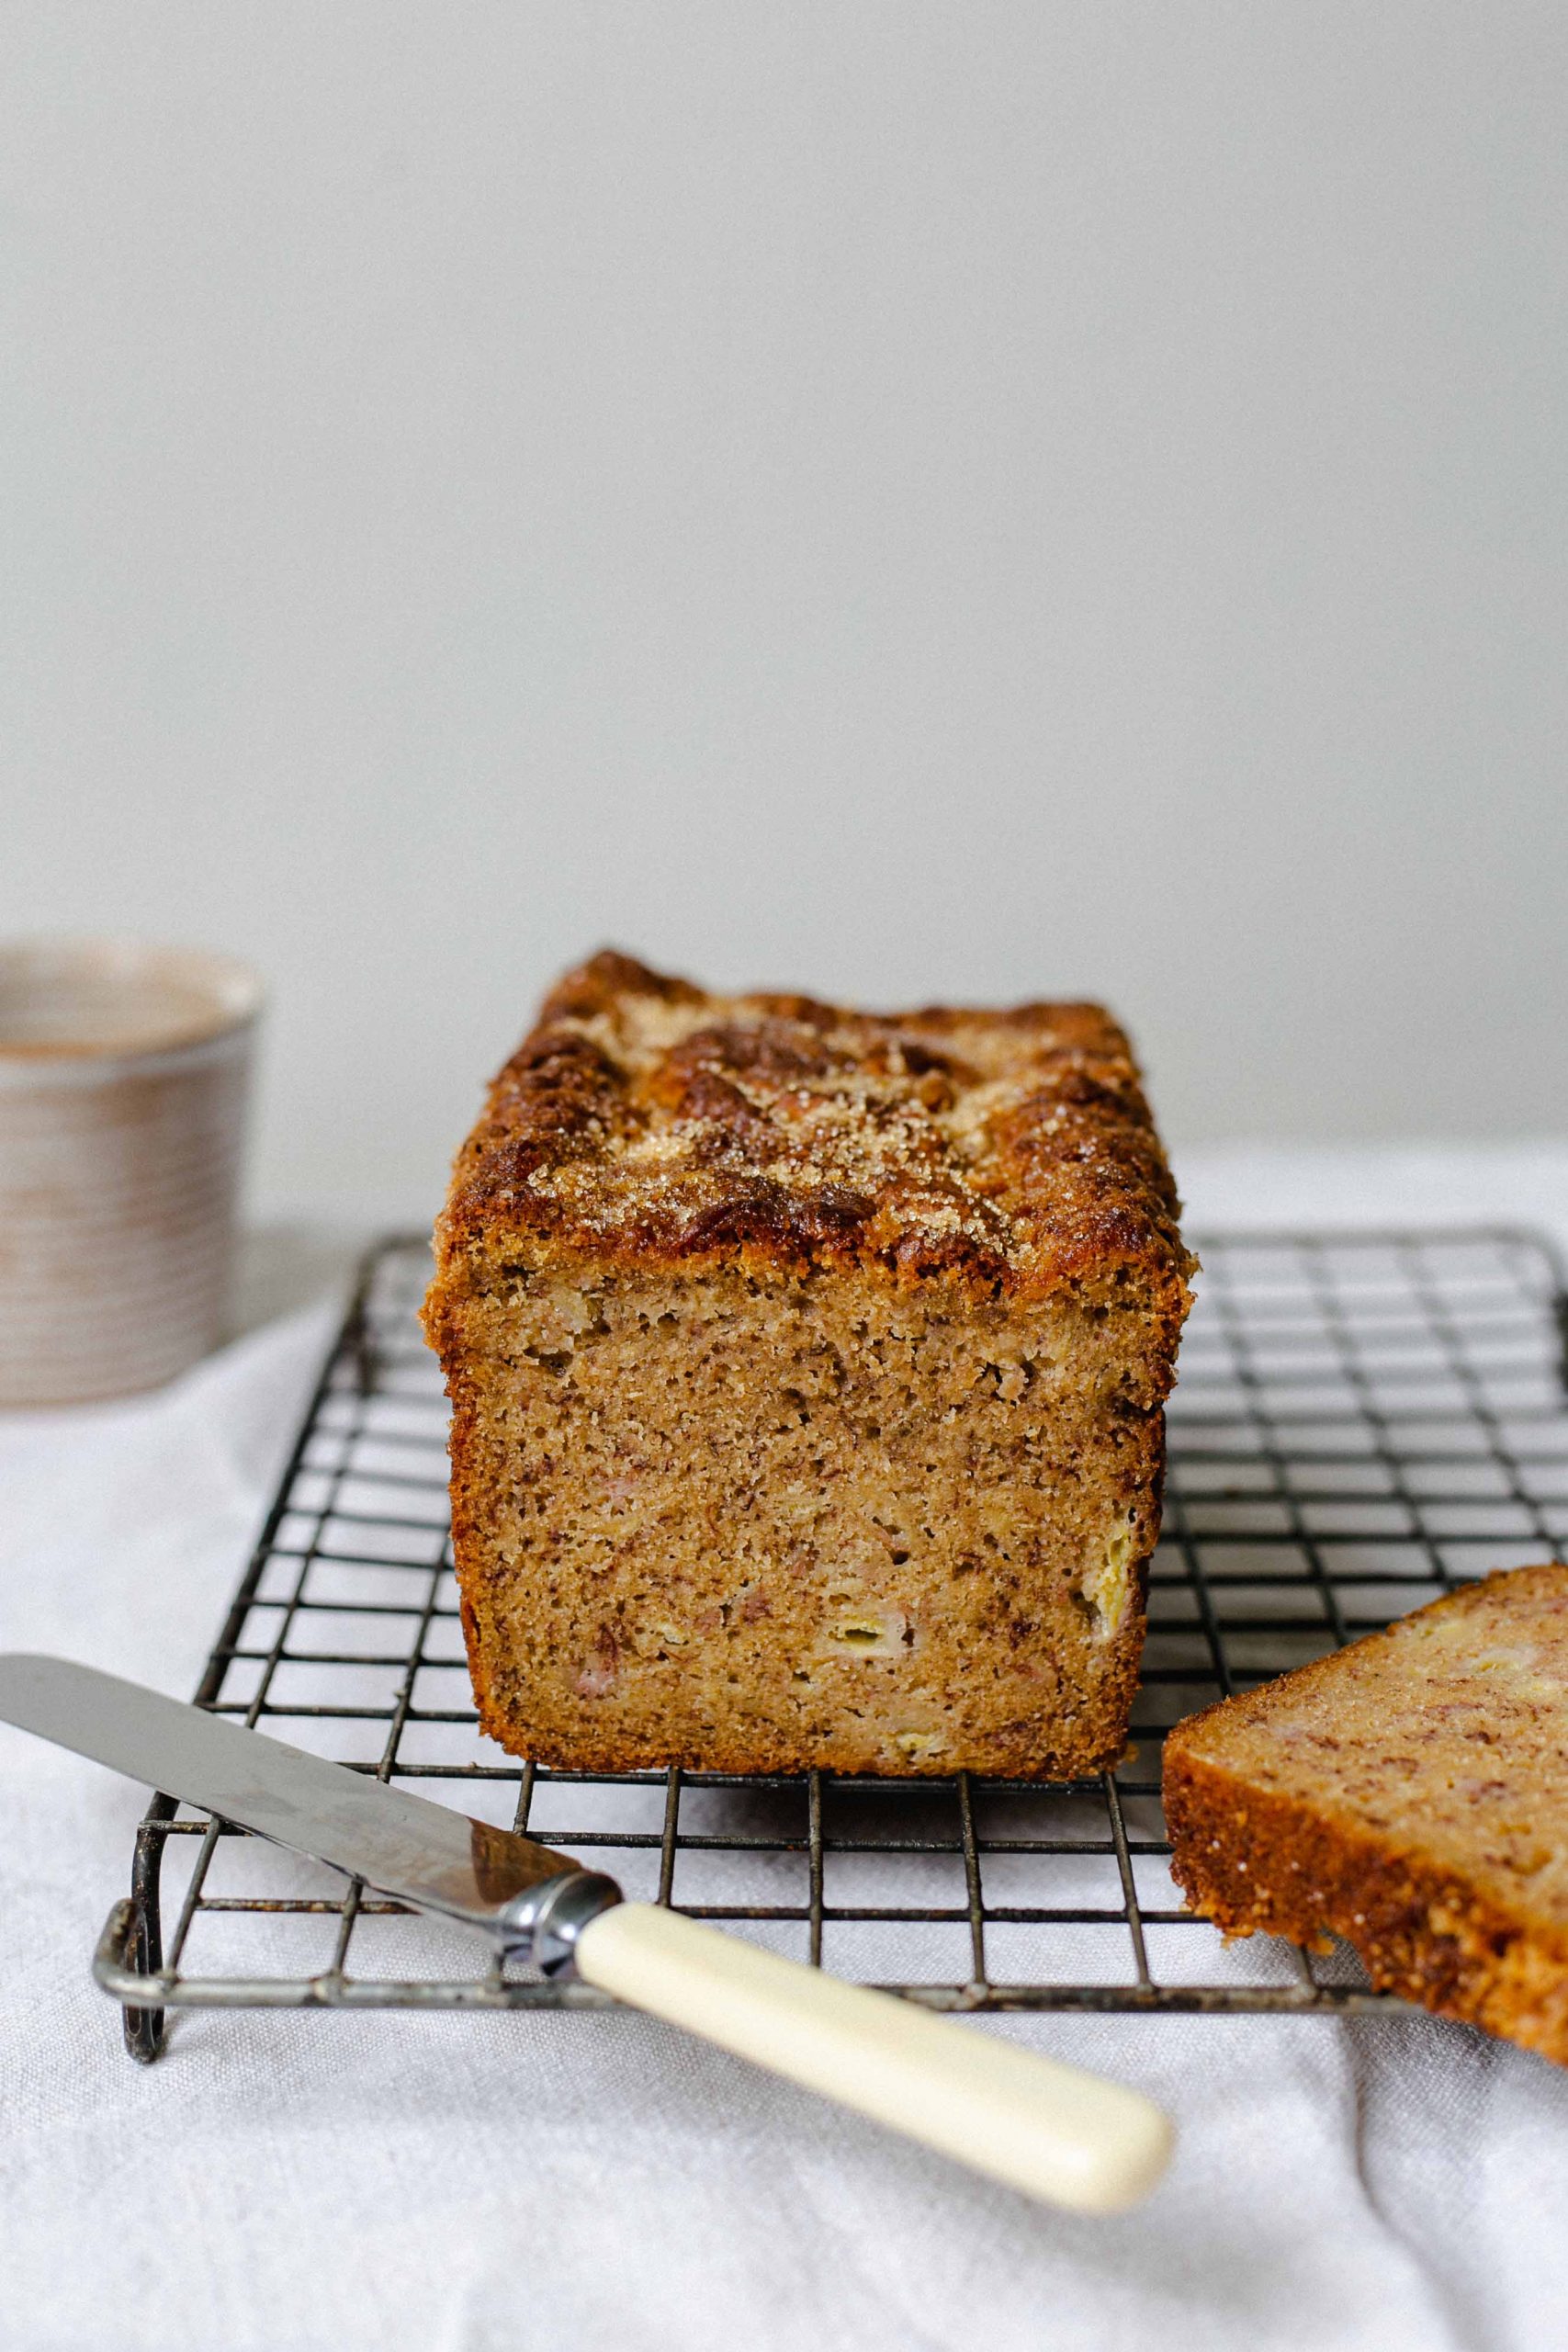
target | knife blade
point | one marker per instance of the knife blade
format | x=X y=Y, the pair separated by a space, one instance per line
x=1050 y=2130
x=529 y=1899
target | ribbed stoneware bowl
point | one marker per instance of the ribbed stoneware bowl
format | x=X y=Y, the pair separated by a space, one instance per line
x=124 y=1072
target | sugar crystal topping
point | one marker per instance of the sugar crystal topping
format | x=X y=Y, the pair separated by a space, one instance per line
x=648 y=1117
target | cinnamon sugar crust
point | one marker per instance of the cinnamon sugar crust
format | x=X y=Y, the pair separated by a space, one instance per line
x=807 y=1370
x=649 y=1120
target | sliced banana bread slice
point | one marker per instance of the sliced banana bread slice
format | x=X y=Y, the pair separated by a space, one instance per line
x=1410 y=1795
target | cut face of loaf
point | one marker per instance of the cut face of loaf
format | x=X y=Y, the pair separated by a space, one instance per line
x=807 y=1371
x=1407 y=1794
x=752 y=1525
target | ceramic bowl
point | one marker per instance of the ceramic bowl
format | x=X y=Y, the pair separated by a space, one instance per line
x=124 y=1076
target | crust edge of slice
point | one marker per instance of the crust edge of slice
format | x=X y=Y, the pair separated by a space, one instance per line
x=1251 y=1859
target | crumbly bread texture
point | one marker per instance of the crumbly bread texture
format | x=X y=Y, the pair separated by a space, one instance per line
x=1409 y=1795
x=807 y=1370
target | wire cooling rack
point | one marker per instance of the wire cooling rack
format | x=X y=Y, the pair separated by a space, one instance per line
x=1362 y=1421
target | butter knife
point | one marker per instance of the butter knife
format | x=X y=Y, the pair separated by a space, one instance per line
x=1053 y=2131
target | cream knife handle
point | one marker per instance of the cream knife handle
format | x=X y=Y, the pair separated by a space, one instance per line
x=1050 y=2130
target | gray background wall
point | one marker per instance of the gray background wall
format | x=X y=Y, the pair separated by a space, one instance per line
x=975 y=499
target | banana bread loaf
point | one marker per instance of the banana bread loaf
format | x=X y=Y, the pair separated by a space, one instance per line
x=807 y=1370
x=1408 y=1795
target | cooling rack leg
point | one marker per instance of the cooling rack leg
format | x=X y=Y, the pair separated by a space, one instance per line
x=144 y=2028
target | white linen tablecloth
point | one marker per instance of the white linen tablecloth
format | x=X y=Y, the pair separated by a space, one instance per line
x=542 y=2184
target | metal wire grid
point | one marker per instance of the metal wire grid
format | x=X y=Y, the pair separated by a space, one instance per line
x=1362 y=1421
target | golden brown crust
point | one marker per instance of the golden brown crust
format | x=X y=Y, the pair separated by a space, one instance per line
x=649 y=1122
x=1334 y=1802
